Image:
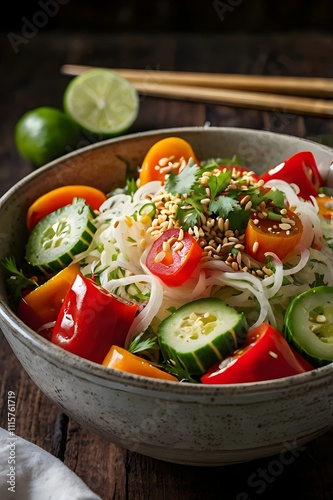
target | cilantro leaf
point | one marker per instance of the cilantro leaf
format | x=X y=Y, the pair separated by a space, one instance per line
x=189 y=212
x=183 y=182
x=239 y=220
x=274 y=195
x=218 y=183
x=223 y=206
x=216 y=162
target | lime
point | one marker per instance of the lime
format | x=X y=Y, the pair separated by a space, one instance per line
x=45 y=133
x=102 y=102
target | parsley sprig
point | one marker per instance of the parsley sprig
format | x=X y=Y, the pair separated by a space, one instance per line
x=146 y=344
x=17 y=281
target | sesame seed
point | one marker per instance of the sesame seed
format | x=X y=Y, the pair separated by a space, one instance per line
x=178 y=246
x=220 y=223
x=159 y=257
x=244 y=200
x=227 y=247
x=167 y=169
x=288 y=221
x=285 y=227
x=267 y=271
x=166 y=246
x=239 y=247
x=273 y=354
x=262 y=215
x=172 y=241
x=196 y=231
x=163 y=162
x=255 y=247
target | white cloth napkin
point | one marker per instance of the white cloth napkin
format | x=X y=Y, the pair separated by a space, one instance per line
x=27 y=472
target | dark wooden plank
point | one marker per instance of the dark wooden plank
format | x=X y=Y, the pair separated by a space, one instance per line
x=107 y=472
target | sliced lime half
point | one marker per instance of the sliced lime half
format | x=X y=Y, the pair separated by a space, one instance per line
x=102 y=102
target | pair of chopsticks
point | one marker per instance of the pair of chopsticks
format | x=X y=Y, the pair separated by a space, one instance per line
x=299 y=95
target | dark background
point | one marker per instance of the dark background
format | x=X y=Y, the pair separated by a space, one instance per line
x=150 y=16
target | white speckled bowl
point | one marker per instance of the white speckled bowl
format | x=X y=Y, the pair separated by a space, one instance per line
x=181 y=423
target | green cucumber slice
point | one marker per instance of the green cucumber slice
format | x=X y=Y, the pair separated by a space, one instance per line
x=308 y=325
x=200 y=333
x=58 y=237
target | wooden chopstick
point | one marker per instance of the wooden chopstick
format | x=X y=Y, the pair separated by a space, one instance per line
x=294 y=85
x=147 y=83
x=243 y=99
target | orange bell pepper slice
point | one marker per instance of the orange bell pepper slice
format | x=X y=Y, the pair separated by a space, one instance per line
x=60 y=197
x=169 y=149
x=325 y=205
x=42 y=305
x=121 y=359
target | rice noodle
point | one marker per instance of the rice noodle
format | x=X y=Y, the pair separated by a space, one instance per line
x=118 y=257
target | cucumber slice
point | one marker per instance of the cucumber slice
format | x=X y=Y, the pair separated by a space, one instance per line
x=308 y=325
x=59 y=236
x=200 y=333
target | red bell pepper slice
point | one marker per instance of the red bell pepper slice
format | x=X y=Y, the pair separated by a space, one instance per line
x=174 y=256
x=264 y=355
x=91 y=320
x=300 y=169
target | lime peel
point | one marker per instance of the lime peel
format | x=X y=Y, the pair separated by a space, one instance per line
x=102 y=101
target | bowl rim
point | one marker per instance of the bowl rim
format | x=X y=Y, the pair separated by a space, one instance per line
x=86 y=368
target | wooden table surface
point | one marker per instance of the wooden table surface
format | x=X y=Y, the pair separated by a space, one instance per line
x=30 y=77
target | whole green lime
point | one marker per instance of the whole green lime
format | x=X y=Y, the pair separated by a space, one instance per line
x=43 y=134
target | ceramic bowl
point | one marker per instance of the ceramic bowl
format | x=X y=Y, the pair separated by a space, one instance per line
x=182 y=423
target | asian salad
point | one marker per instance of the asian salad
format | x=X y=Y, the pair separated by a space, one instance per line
x=196 y=270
